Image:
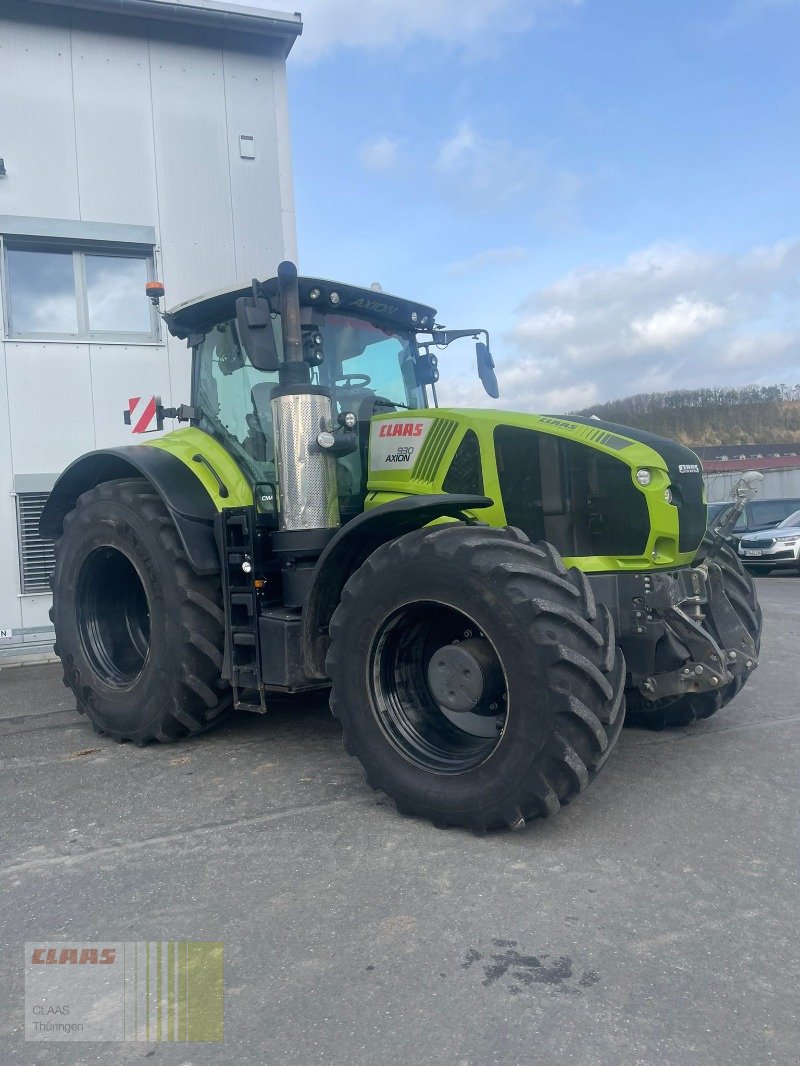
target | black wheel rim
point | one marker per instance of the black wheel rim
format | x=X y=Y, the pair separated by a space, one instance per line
x=414 y=722
x=113 y=617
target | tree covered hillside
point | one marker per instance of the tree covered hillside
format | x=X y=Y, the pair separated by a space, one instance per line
x=755 y=414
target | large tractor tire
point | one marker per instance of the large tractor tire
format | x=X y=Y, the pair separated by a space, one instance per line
x=683 y=710
x=475 y=678
x=139 y=634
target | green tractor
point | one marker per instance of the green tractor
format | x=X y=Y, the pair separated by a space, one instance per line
x=481 y=591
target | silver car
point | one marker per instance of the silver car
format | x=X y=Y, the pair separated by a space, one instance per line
x=772 y=548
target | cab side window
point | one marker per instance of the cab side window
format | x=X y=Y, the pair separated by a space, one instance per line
x=234 y=399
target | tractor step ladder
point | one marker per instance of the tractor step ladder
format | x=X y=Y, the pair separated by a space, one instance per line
x=241 y=608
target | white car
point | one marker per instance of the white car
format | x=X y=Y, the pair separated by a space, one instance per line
x=772 y=548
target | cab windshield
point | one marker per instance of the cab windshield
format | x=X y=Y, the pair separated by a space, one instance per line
x=367 y=369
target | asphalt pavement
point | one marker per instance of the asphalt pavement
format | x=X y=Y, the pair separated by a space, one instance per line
x=653 y=921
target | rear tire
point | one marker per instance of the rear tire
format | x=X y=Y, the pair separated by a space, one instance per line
x=545 y=645
x=139 y=634
x=683 y=710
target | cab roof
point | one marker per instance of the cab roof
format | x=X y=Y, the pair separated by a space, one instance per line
x=195 y=315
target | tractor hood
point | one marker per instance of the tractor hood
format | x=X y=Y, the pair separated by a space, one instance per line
x=195 y=316
x=626 y=498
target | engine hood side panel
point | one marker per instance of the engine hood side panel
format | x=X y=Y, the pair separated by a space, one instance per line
x=411 y=453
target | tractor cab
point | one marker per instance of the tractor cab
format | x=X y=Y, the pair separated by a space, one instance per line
x=363 y=346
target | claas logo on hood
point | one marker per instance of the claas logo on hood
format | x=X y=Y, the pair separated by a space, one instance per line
x=401 y=429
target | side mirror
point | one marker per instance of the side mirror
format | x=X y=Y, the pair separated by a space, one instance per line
x=256 y=335
x=486 y=370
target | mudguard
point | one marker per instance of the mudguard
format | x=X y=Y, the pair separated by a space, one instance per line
x=184 y=496
x=351 y=546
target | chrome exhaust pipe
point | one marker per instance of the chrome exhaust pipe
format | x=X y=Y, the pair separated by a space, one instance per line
x=308 y=502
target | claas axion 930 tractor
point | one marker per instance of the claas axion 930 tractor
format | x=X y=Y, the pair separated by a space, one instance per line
x=482 y=591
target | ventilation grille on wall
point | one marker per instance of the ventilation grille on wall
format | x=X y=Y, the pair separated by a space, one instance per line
x=36 y=559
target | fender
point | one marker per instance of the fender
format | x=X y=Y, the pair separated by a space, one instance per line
x=351 y=546
x=184 y=496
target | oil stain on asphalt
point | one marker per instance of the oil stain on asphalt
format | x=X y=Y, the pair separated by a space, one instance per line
x=524 y=971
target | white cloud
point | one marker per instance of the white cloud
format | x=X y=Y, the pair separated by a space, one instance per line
x=488 y=258
x=524 y=386
x=379 y=154
x=330 y=25
x=683 y=319
x=668 y=316
x=482 y=173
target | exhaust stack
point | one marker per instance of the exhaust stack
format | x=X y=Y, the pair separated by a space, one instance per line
x=308 y=512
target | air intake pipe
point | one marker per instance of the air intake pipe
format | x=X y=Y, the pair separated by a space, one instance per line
x=308 y=504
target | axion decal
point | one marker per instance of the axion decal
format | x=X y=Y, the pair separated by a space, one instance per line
x=396 y=443
x=688 y=468
x=377 y=307
x=143 y=414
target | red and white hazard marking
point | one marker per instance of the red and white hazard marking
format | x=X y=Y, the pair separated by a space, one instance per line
x=143 y=414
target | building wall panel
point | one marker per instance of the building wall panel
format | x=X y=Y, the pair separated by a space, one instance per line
x=113 y=122
x=255 y=183
x=36 y=116
x=49 y=405
x=118 y=373
x=191 y=152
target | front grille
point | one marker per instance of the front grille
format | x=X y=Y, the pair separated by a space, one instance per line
x=36 y=558
x=766 y=543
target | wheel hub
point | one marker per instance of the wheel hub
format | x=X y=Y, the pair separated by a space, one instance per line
x=463 y=677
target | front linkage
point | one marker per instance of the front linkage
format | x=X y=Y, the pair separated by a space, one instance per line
x=680 y=632
x=690 y=636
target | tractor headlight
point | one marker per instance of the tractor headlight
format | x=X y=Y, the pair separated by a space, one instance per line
x=348 y=419
x=414 y=316
x=314 y=294
x=643 y=476
x=334 y=298
x=667 y=495
x=325 y=439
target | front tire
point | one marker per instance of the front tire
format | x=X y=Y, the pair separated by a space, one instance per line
x=475 y=678
x=139 y=634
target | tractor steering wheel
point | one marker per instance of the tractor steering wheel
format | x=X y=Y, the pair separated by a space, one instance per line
x=354 y=381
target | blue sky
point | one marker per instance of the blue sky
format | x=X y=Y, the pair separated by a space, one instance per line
x=610 y=186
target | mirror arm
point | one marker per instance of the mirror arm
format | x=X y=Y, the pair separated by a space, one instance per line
x=447 y=336
x=746 y=488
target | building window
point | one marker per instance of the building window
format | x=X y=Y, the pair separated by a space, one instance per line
x=36 y=557
x=55 y=292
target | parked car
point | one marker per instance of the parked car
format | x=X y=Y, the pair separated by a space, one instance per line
x=757 y=515
x=772 y=548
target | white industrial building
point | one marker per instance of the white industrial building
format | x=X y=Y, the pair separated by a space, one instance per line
x=138 y=139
